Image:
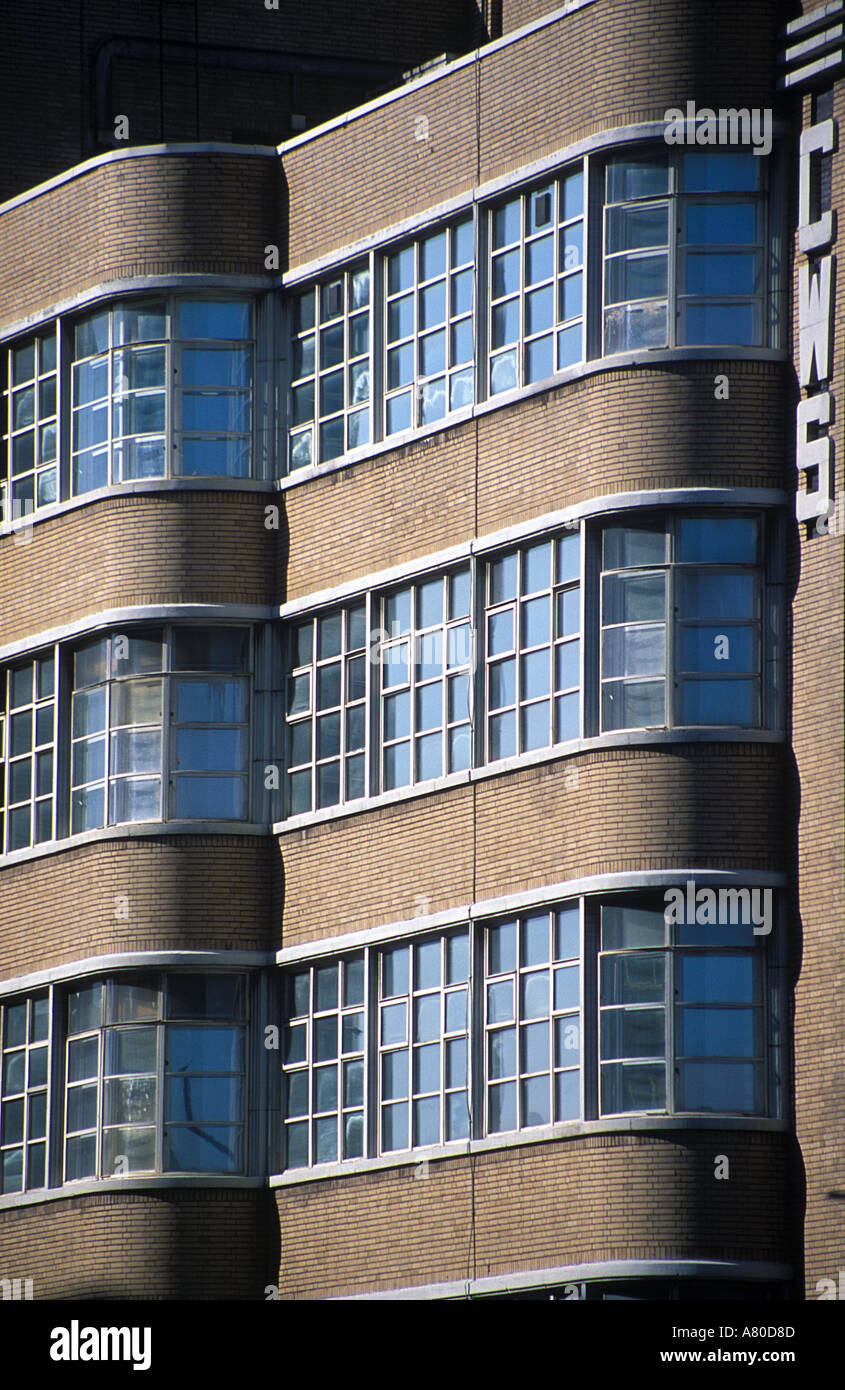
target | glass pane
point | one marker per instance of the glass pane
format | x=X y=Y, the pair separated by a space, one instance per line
x=501 y=947
x=717 y=1032
x=502 y=1107
x=632 y=1033
x=500 y=1002
x=636 y=705
x=716 y=978
x=634 y=651
x=536 y=1101
x=212 y=1149
x=394 y=1024
x=721 y=1086
x=635 y=326
x=204 y=318
x=567 y=1095
x=427 y=1018
x=629 y=228
x=502 y=1053
x=719 y=702
x=534 y=989
x=427 y=1068
x=630 y=598
x=395 y=1126
x=633 y=979
x=211 y=702
x=726 y=540
x=631 y=926
x=204 y=1049
x=633 y=1086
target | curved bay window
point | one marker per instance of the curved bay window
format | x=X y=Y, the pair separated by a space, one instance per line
x=681 y=1007
x=154 y=1076
x=160 y=388
x=682 y=622
x=685 y=240
x=160 y=727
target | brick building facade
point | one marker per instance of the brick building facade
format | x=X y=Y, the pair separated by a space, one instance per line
x=409 y=584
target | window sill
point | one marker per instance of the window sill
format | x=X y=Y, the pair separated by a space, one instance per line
x=133 y=830
x=572 y=1129
x=144 y=486
x=619 y=361
x=628 y=738
x=131 y=1183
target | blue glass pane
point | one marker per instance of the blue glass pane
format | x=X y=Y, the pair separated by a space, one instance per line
x=394 y=1119
x=729 y=649
x=218 y=458
x=721 y=272
x=204 y=1049
x=536 y=1101
x=721 y=172
x=729 y=540
x=394 y=1075
x=213 y=1149
x=737 y=324
x=502 y=1107
x=719 y=702
x=208 y=1098
x=632 y=1086
x=717 y=1032
x=721 y=223
x=211 y=798
x=716 y=978
x=204 y=318
x=721 y=1086
x=567 y=1095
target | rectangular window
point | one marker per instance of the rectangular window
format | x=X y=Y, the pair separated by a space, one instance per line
x=327 y=710
x=533 y=1020
x=30 y=755
x=24 y=1093
x=684 y=250
x=537 y=283
x=31 y=424
x=331 y=372
x=156 y=708
x=155 y=1074
x=429 y=338
x=426 y=656
x=325 y=1062
x=424 y=1024
x=681 y=610
x=532 y=636
x=681 y=1015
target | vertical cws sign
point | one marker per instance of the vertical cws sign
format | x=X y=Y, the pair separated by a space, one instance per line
x=813 y=57
x=813 y=448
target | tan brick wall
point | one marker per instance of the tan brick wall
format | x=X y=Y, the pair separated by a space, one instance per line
x=169 y=547
x=200 y=893
x=632 y=809
x=618 y=431
x=629 y=61
x=156 y=215
x=155 y=1245
x=818 y=732
x=607 y=1197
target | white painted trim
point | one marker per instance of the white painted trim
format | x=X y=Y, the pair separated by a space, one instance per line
x=126 y=960
x=518 y=1139
x=130 y=1183
x=589 y=886
x=190 y=281
x=594 y=506
x=627 y=738
x=745 y=1271
x=145 y=612
x=133 y=830
x=133 y=152
x=426 y=79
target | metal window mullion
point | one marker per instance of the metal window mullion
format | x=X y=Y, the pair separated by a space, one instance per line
x=669 y=1027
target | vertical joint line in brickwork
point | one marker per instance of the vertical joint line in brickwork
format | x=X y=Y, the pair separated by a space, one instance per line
x=197 y=68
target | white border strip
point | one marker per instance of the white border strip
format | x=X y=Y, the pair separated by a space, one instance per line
x=144 y=612
x=125 y=960
x=521 y=1281
x=594 y=506
x=427 y=78
x=133 y=152
x=629 y=880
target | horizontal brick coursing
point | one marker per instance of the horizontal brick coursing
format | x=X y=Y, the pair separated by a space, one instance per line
x=628 y=810
x=608 y=1197
x=170 y=547
x=618 y=431
x=630 y=63
x=158 y=1245
x=202 y=214
x=199 y=893
x=818 y=739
